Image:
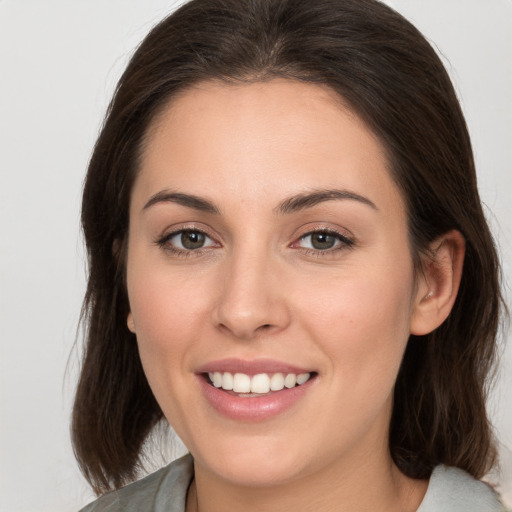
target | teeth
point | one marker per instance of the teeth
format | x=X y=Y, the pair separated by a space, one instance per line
x=277 y=382
x=290 y=380
x=303 y=377
x=227 y=381
x=217 y=379
x=261 y=383
x=241 y=383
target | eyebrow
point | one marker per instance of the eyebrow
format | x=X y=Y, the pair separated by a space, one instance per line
x=188 y=200
x=292 y=204
x=310 y=199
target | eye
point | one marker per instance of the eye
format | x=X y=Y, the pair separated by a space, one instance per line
x=323 y=240
x=187 y=240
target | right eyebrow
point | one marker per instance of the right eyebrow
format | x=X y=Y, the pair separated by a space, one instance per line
x=188 y=200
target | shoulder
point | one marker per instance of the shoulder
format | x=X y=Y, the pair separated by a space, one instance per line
x=453 y=490
x=164 y=490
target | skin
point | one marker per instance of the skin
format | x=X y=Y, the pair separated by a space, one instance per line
x=258 y=288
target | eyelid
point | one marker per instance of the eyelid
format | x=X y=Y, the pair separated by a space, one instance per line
x=346 y=239
x=172 y=231
x=177 y=234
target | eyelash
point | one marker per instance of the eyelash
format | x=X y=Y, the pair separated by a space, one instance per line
x=344 y=243
x=164 y=243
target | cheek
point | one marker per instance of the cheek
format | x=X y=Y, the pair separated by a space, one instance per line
x=362 y=322
x=169 y=318
x=168 y=312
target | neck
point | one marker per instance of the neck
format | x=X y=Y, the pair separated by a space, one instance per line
x=369 y=486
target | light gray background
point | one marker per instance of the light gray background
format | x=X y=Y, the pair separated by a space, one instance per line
x=59 y=61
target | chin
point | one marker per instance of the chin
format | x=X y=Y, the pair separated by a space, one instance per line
x=252 y=462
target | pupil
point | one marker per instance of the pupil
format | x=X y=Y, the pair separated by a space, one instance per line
x=192 y=239
x=322 y=241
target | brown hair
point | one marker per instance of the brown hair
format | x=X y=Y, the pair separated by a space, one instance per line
x=385 y=70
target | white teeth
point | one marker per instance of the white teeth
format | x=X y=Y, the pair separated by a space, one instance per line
x=290 y=380
x=261 y=383
x=217 y=379
x=241 y=383
x=277 y=382
x=302 y=378
x=227 y=381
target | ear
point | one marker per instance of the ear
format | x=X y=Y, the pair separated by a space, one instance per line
x=438 y=283
x=130 y=323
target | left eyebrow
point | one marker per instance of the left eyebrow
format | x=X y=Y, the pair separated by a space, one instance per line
x=310 y=199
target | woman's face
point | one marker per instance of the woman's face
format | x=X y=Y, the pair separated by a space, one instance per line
x=268 y=239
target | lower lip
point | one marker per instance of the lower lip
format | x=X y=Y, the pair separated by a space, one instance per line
x=253 y=409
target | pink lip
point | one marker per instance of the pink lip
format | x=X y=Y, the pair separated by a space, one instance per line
x=257 y=408
x=250 y=367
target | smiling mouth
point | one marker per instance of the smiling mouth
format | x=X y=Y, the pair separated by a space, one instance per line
x=261 y=384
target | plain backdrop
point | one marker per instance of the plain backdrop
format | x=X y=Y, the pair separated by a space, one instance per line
x=59 y=61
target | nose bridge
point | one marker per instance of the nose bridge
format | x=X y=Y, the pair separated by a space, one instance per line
x=249 y=300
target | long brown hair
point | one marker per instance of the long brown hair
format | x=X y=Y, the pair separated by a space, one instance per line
x=388 y=74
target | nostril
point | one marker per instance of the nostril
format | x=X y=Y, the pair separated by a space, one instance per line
x=264 y=329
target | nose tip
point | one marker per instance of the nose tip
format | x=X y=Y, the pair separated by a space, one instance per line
x=250 y=304
x=248 y=324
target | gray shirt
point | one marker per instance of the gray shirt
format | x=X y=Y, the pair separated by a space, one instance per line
x=449 y=490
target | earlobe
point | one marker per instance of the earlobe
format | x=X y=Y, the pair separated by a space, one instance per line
x=438 y=283
x=130 y=323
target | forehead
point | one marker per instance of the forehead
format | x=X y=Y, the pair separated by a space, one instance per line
x=258 y=138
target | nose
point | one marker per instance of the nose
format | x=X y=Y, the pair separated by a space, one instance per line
x=251 y=301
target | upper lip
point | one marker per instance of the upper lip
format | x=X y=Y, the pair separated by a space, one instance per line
x=252 y=367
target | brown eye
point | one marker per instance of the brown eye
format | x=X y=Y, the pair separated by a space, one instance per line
x=322 y=241
x=192 y=239
x=186 y=240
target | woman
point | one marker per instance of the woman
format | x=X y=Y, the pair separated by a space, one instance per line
x=289 y=263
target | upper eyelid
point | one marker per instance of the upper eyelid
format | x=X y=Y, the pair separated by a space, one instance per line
x=346 y=240
x=172 y=234
x=169 y=232
x=343 y=234
x=329 y=231
x=163 y=242
x=340 y=236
